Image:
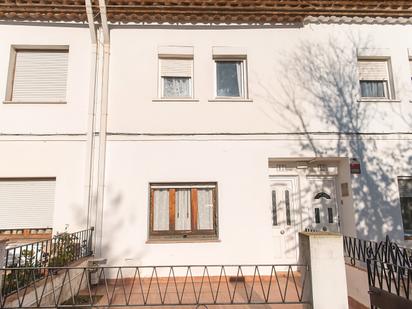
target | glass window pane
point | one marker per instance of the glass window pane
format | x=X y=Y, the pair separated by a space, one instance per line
x=373 y=89
x=287 y=202
x=406 y=208
x=175 y=87
x=161 y=210
x=317 y=215
x=274 y=209
x=330 y=215
x=205 y=209
x=182 y=210
x=229 y=78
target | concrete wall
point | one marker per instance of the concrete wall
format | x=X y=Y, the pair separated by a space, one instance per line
x=48 y=140
x=61 y=287
x=357 y=284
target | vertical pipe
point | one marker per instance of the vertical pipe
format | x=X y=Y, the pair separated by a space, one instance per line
x=103 y=129
x=91 y=111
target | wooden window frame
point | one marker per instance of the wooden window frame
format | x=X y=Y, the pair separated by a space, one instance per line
x=194 y=233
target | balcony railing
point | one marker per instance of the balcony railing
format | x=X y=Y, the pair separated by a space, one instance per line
x=62 y=250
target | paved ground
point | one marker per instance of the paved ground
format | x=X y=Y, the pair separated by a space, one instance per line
x=222 y=292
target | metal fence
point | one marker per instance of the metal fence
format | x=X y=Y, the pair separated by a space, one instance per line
x=190 y=285
x=360 y=250
x=61 y=250
x=390 y=285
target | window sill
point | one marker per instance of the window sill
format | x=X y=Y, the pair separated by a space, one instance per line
x=365 y=100
x=35 y=102
x=175 y=100
x=231 y=100
x=186 y=240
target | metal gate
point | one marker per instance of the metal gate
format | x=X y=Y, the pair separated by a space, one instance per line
x=139 y=286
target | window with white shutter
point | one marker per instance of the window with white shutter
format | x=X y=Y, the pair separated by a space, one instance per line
x=176 y=76
x=39 y=75
x=27 y=203
x=374 y=78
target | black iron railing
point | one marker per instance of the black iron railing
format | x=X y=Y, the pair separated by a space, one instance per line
x=360 y=250
x=61 y=250
x=386 y=279
x=189 y=285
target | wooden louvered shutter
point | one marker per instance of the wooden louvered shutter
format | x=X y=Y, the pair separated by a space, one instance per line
x=40 y=76
x=373 y=70
x=176 y=67
x=27 y=203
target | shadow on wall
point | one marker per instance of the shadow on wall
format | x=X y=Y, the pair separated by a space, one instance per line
x=319 y=84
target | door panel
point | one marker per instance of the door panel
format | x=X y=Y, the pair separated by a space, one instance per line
x=283 y=219
x=324 y=215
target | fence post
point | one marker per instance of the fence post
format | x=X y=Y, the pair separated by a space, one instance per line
x=323 y=252
x=3 y=251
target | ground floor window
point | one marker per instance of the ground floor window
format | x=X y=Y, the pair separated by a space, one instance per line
x=183 y=210
x=405 y=195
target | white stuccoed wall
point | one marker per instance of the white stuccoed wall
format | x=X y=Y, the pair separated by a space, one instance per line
x=49 y=140
x=323 y=252
x=238 y=163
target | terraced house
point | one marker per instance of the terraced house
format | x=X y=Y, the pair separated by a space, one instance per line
x=206 y=132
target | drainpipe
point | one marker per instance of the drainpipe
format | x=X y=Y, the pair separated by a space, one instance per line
x=103 y=129
x=91 y=113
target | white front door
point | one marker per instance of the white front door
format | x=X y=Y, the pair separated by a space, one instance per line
x=323 y=216
x=283 y=206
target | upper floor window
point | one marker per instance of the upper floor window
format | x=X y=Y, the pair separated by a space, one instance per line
x=375 y=78
x=405 y=195
x=183 y=210
x=230 y=78
x=176 y=75
x=37 y=75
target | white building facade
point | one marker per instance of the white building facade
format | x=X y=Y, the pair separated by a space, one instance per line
x=207 y=143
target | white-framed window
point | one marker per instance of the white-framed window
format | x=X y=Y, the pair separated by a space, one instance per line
x=375 y=79
x=230 y=78
x=38 y=74
x=405 y=196
x=176 y=78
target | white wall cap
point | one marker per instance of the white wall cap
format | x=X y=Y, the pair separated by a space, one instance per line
x=374 y=52
x=175 y=51
x=228 y=51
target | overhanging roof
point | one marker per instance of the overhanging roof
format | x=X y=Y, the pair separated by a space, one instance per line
x=203 y=11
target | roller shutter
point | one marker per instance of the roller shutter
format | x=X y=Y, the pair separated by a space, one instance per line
x=26 y=203
x=40 y=76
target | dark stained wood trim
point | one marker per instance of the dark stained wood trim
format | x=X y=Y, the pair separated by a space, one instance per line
x=194 y=234
x=194 y=209
x=172 y=209
x=151 y=223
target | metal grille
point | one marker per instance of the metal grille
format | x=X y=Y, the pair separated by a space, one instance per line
x=189 y=285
